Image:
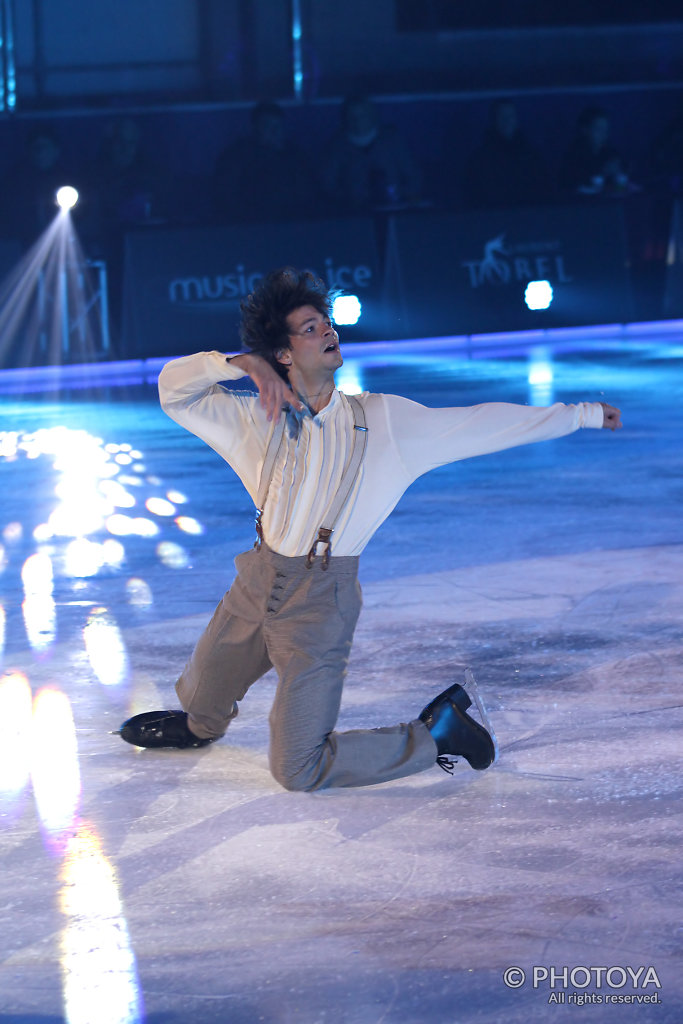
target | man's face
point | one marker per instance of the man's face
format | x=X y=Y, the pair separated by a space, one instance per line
x=314 y=344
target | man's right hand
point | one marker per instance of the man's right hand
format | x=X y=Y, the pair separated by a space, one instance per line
x=274 y=392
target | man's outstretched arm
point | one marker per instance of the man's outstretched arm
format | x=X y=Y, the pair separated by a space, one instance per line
x=427 y=438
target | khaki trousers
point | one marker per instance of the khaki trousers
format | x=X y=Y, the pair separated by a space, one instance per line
x=280 y=614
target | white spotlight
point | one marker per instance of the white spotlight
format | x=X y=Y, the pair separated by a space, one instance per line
x=346 y=309
x=67 y=197
x=538 y=294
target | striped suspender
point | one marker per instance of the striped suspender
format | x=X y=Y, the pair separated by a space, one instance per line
x=274 y=445
x=360 y=438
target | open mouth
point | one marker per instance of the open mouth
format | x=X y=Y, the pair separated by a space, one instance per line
x=332 y=347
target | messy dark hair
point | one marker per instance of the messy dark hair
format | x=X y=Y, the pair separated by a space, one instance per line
x=263 y=329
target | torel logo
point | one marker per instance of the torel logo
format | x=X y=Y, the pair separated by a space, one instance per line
x=503 y=264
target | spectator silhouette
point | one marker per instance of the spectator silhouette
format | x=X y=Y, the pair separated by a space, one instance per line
x=591 y=165
x=264 y=175
x=367 y=164
x=133 y=188
x=505 y=170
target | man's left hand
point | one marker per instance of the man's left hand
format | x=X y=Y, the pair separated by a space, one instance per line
x=611 y=417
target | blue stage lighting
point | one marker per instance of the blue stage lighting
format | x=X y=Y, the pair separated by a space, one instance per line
x=538 y=294
x=67 y=197
x=346 y=309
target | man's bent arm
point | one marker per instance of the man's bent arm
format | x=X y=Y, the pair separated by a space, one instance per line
x=232 y=423
x=182 y=381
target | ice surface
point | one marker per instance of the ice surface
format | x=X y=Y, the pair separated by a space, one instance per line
x=187 y=886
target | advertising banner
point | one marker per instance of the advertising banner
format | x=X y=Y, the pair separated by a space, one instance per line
x=183 y=288
x=467 y=273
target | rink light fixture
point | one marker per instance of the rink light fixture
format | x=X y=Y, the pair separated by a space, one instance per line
x=346 y=309
x=538 y=294
x=67 y=197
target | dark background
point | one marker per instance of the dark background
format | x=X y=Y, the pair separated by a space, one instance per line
x=188 y=73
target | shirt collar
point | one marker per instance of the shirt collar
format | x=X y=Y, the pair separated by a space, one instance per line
x=296 y=418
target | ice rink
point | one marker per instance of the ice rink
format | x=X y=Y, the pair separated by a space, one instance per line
x=187 y=886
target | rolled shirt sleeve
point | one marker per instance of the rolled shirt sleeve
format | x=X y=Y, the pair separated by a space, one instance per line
x=232 y=423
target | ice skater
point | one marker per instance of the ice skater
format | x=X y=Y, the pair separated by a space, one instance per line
x=324 y=470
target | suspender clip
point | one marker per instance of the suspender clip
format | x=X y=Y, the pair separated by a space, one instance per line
x=259 y=529
x=323 y=537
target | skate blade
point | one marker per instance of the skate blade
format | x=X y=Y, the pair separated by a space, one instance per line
x=473 y=690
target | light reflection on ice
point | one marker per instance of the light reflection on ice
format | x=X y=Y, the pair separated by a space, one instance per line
x=177 y=497
x=125 y=526
x=38 y=606
x=173 y=555
x=83 y=558
x=54 y=764
x=139 y=593
x=78 y=516
x=540 y=376
x=117 y=494
x=40 y=621
x=8 y=444
x=189 y=525
x=36 y=575
x=105 y=648
x=113 y=552
x=42 y=533
x=160 y=507
x=98 y=964
x=38 y=743
x=90 y=493
x=13 y=533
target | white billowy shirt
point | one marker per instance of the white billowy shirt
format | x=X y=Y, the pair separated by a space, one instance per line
x=404 y=441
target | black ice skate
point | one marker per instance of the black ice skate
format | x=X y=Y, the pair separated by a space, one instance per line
x=160 y=729
x=456 y=733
